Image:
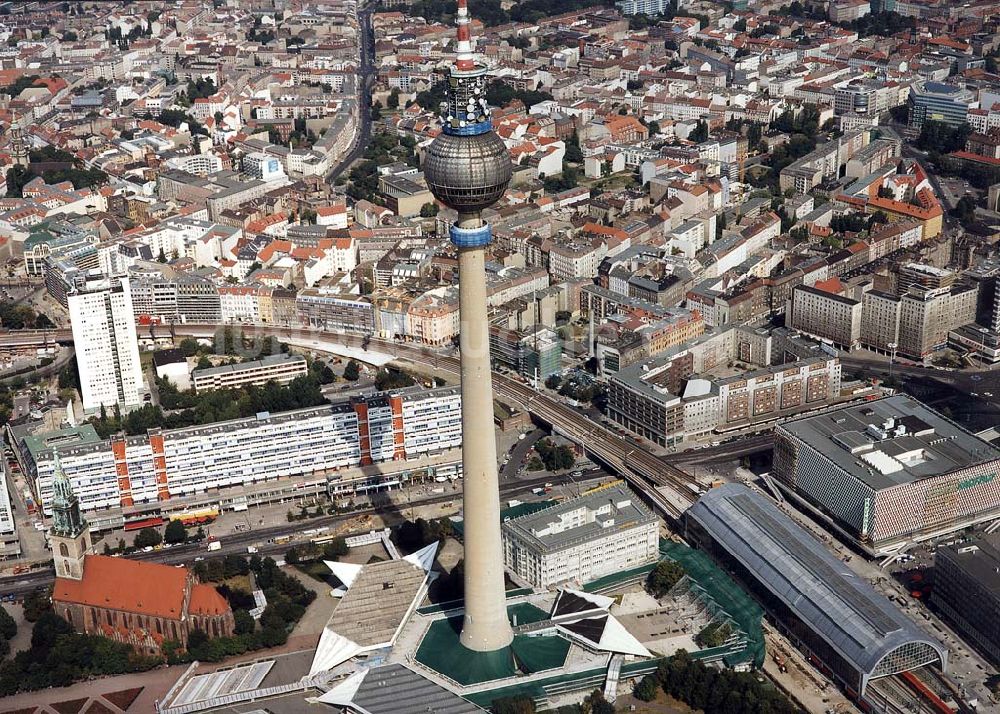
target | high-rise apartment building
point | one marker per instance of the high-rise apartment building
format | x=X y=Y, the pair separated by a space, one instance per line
x=107 y=349
x=826 y=315
x=916 y=320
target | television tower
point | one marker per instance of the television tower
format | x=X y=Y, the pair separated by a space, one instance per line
x=468 y=168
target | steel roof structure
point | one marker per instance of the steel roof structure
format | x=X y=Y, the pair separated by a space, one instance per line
x=868 y=632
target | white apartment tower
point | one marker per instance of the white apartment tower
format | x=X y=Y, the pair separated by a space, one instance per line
x=107 y=350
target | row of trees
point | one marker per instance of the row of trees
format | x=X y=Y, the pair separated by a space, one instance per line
x=384 y=148
x=174 y=534
x=287 y=600
x=208 y=407
x=714 y=691
x=498 y=94
x=411 y=536
x=553 y=457
x=15 y=316
x=492 y=12
x=58 y=656
x=8 y=628
x=388 y=378
x=593 y=703
x=942 y=138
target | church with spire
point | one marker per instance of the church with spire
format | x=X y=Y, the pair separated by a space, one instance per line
x=139 y=603
x=70 y=536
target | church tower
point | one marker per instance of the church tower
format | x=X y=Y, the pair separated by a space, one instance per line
x=18 y=145
x=70 y=535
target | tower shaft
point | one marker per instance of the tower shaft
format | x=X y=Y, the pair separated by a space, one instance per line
x=468 y=168
x=486 y=626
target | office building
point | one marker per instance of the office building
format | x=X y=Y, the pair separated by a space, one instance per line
x=335 y=310
x=924 y=276
x=107 y=349
x=281 y=368
x=852 y=632
x=822 y=163
x=260 y=166
x=126 y=470
x=938 y=101
x=643 y=7
x=889 y=471
x=985 y=276
x=534 y=353
x=662 y=400
x=918 y=321
x=826 y=316
x=967 y=590
x=604 y=531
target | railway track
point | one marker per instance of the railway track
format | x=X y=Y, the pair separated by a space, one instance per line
x=645 y=472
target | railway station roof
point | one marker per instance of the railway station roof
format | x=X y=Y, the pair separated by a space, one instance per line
x=862 y=627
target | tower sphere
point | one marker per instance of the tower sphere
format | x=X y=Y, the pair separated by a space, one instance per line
x=467 y=173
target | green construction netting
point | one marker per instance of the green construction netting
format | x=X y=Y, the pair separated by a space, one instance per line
x=524 y=613
x=621 y=578
x=729 y=596
x=441 y=651
x=539 y=653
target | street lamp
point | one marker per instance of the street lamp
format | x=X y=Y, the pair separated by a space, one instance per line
x=892 y=357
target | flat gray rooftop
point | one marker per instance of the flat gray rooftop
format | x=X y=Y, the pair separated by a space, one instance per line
x=269 y=361
x=394 y=688
x=613 y=507
x=980 y=560
x=891 y=441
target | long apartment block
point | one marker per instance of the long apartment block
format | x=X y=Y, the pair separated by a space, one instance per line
x=126 y=470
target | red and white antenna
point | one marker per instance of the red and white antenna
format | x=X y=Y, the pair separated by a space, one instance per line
x=465 y=60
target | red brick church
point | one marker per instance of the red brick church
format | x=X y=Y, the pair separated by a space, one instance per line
x=138 y=603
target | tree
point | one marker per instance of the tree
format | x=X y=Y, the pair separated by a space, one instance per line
x=244 y=622
x=8 y=626
x=664 y=576
x=352 y=371
x=646 y=689
x=965 y=209
x=429 y=210
x=393 y=100
x=47 y=629
x=699 y=133
x=36 y=603
x=188 y=347
x=555 y=458
x=513 y=705
x=68 y=376
x=598 y=704
x=335 y=549
x=175 y=532
x=573 y=152
x=17 y=177
x=148 y=537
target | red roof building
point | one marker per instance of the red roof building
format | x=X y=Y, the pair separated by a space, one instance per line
x=140 y=603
